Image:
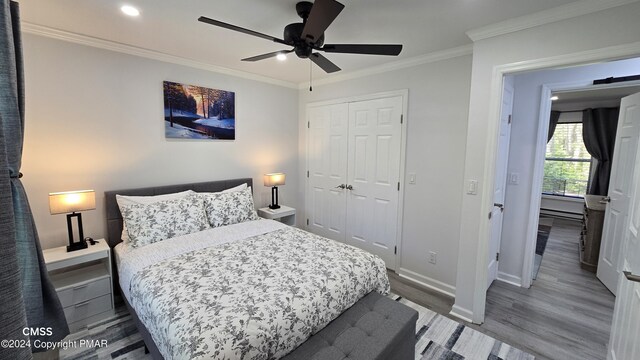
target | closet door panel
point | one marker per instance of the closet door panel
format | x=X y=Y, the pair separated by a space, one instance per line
x=373 y=172
x=327 y=170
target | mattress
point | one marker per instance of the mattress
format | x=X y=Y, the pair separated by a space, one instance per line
x=254 y=290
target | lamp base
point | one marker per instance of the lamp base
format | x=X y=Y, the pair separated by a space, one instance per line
x=77 y=246
x=273 y=207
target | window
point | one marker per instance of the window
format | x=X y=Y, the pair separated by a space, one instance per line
x=568 y=163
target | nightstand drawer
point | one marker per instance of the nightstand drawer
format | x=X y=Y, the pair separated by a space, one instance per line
x=86 y=309
x=75 y=295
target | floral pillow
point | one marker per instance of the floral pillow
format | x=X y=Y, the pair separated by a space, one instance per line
x=150 y=223
x=229 y=208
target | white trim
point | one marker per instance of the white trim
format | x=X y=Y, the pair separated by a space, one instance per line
x=75 y=38
x=548 y=16
x=509 y=279
x=428 y=282
x=404 y=94
x=461 y=313
x=394 y=65
x=499 y=71
x=41 y=30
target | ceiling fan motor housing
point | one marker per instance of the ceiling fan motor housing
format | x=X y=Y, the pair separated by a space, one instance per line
x=292 y=36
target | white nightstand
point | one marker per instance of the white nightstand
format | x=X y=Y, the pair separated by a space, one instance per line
x=83 y=281
x=287 y=215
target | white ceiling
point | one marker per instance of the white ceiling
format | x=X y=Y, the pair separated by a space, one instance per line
x=171 y=27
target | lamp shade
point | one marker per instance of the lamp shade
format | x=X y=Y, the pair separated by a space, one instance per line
x=71 y=201
x=274 y=179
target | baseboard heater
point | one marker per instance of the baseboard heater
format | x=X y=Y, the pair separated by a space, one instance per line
x=561 y=214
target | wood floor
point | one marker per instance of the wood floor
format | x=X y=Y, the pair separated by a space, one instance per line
x=566 y=314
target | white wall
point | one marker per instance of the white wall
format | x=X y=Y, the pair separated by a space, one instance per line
x=616 y=26
x=524 y=130
x=94 y=120
x=436 y=120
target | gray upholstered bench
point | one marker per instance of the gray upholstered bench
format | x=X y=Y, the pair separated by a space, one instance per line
x=375 y=327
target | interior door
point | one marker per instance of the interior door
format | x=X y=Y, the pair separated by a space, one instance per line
x=374 y=175
x=620 y=187
x=327 y=164
x=502 y=159
x=624 y=343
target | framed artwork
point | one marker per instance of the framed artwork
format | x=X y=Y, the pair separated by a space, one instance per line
x=197 y=112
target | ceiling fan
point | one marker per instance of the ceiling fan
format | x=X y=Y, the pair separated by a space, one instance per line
x=308 y=36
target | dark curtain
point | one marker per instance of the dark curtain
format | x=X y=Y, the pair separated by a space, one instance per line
x=553 y=122
x=28 y=296
x=599 y=135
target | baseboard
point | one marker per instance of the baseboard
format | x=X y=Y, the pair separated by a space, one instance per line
x=509 y=279
x=461 y=313
x=428 y=282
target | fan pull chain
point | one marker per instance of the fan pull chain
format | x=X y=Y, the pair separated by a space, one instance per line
x=310 y=75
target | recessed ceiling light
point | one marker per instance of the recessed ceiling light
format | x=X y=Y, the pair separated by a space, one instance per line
x=554 y=98
x=281 y=57
x=130 y=10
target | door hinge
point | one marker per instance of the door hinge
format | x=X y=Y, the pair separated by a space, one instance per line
x=395 y=249
x=509 y=121
x=308 y=124
x=490 y=214
x=497 y=256
x=398 y=185
x=401 y=118
x=307 y=222
x=307 y=173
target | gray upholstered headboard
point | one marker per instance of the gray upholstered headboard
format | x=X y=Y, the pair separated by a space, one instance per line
x=114 y=218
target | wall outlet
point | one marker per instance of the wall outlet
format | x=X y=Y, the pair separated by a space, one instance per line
x=433 y=257
x=412 y=178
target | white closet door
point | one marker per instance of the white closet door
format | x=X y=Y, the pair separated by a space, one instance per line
x=374 y=174
x=327 y=164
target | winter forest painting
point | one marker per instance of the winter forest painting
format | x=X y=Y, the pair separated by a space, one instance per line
x=196 y=112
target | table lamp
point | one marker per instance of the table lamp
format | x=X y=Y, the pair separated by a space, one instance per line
x=70 y=202
x=274 y=180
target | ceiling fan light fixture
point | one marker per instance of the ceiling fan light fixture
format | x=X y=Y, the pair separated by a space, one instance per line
x=130 y=10
x=281 y=57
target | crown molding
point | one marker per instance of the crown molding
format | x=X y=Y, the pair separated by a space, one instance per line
x=548 y=16
x=75 y=38
x=395 y=65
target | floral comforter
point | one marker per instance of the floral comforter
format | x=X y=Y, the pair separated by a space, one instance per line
x=254 y=298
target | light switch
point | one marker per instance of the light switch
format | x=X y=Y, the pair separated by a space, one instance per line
x=514 y=178
x=472 y=187
x=412 y=178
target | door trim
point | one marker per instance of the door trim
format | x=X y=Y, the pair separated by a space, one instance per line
x=404 y=93
x=479 y=297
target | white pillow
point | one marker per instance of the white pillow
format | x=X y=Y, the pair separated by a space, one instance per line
x=235 y=188
x=161 y=220
x=227 y=208
x=129 y=200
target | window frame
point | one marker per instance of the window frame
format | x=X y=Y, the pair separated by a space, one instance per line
x=590 y=161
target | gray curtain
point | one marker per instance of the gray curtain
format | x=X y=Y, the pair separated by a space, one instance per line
x=599 y=128
x=553 y=122
x=28 y=296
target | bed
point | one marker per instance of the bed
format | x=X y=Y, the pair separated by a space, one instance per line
x=251 y=290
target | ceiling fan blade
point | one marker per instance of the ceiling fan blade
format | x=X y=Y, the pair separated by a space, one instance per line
x=324 y=63
x=209 y=21
x=266 y=56
x=369 y=49
x=322 y=14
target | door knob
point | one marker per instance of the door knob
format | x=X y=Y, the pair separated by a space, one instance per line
x=349 y=187
x=605 y=200
x=341 y=186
